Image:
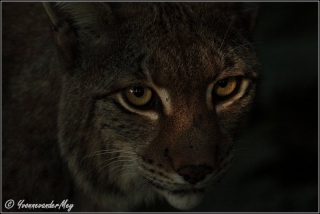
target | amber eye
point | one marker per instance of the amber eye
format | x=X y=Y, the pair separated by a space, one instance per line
x=226 y=87
x=139 y=96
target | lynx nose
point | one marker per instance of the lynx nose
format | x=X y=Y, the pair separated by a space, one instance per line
x=194 y=174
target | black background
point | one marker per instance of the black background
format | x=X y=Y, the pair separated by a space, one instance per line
x=276 y=161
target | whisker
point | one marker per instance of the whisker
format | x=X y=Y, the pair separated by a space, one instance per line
x=113 y=160
x=239 y=46
x=125 y=173
x=113 y=151
x=104 y=152
x=140 y=184
x=216 y=27
x=225 y=35
x=112 y=163
x=101 y=152
x=103 y=167
x=121 y=167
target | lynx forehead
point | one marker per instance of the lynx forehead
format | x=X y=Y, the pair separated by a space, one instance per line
x=146 y=99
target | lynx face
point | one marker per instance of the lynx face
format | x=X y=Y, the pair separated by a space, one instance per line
x=153 y=96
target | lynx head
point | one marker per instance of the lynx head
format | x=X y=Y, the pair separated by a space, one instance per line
x=154 y=95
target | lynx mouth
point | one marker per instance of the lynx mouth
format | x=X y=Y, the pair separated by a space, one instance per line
x=179 y=191
x=183 y=198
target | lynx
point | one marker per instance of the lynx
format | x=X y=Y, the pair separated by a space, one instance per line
x=113 y=105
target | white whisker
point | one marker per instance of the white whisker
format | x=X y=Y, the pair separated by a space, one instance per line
x=225 y=35
x=140 y=184
x=239 y=46
x=102 y=152
x=125 y=173
x=216 y=27
x=113 y=161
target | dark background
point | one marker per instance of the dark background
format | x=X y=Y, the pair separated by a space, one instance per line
x=276 y=161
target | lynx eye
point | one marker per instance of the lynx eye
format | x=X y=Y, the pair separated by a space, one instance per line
x=139 y=96
x=226 y=87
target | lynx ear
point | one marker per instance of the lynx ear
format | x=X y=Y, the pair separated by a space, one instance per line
x=78 y=24
x=242 y=13
x=248 y=13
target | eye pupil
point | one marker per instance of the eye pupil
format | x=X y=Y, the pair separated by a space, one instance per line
x=223 y=83
x=138 y=91
x=138 y=96
x=226 y=87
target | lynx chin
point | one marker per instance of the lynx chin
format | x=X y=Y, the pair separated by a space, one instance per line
x=116 y=105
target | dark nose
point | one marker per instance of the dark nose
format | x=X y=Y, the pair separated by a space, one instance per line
x=194 y=174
